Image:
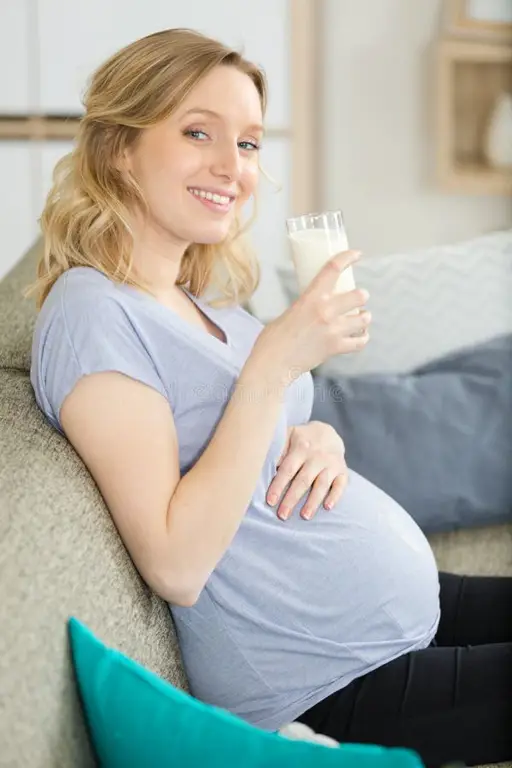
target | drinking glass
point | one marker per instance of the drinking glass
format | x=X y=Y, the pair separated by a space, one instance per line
x=315 y=238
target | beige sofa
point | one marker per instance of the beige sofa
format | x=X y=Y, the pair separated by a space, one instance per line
x=60 y=555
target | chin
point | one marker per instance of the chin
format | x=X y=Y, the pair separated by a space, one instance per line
x=211 y=237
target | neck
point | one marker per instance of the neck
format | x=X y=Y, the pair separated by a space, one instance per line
x=157 y=260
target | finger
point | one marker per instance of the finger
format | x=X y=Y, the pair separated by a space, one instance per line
x=351 y=301
x=288 y=468
x=358 y=325
x=325 y=281
x=300 y=485
x=336 y=491
x=346 y=344
x=318 y=492
x=285 y=450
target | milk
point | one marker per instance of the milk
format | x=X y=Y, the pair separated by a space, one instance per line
x=312 y=248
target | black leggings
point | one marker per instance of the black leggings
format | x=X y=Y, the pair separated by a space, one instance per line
x=451 y=701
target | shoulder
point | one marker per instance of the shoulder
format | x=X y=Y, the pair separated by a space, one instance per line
x=85 y=327
x=79 y=288
x=82 y=297
x=84 y=320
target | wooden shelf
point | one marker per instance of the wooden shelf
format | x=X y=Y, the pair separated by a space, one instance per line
x=477 y=179
x=470 y=77
x=64 y=127
x=38 y=127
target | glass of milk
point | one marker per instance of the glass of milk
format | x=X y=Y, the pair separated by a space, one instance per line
x=315 y=238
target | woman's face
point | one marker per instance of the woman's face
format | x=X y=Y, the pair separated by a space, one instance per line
x=198 y=167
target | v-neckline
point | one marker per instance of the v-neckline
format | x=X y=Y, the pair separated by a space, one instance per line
x=205 y=310
x=228 y=346
x=203 y=307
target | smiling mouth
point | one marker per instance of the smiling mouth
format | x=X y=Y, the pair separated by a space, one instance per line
x=213 y=200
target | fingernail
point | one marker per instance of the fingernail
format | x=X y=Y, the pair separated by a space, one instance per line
x=272 y=499
x=284 y=513
x=307 y=515
x=328 y=505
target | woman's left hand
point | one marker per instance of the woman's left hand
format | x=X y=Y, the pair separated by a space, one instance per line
x=313 y=460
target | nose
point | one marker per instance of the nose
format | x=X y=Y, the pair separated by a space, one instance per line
x=226 y=160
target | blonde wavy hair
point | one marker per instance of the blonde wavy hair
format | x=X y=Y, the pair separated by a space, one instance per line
x=85 y=218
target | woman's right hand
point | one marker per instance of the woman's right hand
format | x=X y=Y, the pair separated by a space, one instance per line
x=316 y=326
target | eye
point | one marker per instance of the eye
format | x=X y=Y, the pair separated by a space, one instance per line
x=197 y=135
x=249 y=146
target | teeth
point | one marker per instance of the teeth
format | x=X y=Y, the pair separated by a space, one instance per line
x=219 y=199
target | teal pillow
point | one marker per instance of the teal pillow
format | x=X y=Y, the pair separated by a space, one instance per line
x=137 y=720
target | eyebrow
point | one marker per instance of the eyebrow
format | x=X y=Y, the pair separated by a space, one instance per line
x=211 y=113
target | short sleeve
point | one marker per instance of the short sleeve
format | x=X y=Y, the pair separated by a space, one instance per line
x=82 y=337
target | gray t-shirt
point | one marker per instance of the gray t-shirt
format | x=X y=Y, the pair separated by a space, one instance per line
x=294 y=610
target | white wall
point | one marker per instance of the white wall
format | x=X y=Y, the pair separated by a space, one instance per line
x=49 y=49
x=376 y=154
x=377 y=137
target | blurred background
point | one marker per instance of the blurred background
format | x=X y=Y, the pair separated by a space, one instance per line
x=397 y=112
x=387 y=109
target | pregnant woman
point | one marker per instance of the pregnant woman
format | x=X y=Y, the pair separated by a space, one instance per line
x=299 y=590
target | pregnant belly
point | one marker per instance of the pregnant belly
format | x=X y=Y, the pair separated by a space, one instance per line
x=363 y=569
x=389 y=570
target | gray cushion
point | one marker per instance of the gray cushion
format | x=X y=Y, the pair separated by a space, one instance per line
x=438 y=440
x=428 y=302
x=60 y=555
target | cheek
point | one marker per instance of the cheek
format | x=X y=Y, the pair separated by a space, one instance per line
x=149 y=174
x=249 y=180
x=159 y=168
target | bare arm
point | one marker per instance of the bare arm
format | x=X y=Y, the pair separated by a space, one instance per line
x=177 y=529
